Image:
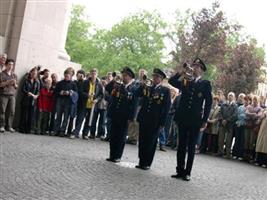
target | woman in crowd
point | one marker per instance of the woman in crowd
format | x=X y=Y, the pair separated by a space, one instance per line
x=261 y=146
x=210 y=143
x=253 y=113
x=238 y=149
x=30 y=93
x=54 y=78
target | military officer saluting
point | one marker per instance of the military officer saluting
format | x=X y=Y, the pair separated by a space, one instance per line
x=121 y=111
x=192 y=114
x=152 y=117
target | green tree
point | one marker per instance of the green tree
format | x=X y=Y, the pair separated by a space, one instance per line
x=136 y=41
x=79 y=45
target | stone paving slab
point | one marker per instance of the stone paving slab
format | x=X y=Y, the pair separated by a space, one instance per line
x=43 y=167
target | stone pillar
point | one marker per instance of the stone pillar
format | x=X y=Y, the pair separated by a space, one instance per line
x=62 y=54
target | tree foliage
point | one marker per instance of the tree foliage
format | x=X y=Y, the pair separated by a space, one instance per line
x=233 y=59
x=136 y=41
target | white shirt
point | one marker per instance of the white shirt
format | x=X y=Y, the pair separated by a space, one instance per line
x=197 y=78
x=157 y=85
x=129 y=83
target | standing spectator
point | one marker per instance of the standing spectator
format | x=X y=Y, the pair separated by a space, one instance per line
x=46 y=103
x=221 y=96
x=64 y=90
x=173 y=139
x=90 y=94
x=164 y=135
x=73 y=105
x=262 y=102
x=3 y=58
x=253 y=113
x=238 y=149
x=210 y=143
x=30 y=93
x=133 y=128
x=8 y=86
x=45 y=75
x=100 y=111
x=109 y=77
x=80 y=104
x=54 y=78
x=261 y=146
x=227 y=120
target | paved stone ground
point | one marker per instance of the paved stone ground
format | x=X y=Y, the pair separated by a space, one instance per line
x=44 y=167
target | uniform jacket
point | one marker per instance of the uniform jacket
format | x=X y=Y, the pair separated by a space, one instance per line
x=122 y=101
x=155 y=105
x=195 y=102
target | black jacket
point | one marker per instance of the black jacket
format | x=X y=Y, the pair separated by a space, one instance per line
x=122 y=101
x=28 y=86
x=64 y=85
x=195 y=102
x=155 y=106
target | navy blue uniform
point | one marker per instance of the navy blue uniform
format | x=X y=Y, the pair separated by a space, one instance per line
x=120 y=111
x=153 y=114
x=192 y=113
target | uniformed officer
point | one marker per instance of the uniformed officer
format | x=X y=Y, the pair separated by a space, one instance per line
x=152 y=117
x=120 y=111
x=193 y=112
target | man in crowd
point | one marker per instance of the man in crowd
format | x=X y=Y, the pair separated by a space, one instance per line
x=228 y=117
x=121 y=111
x=63 y=91
x=152 y=117
x=133 y=130
x=192 y=115
x=90 y=94
x=3 y=58
x=79 y=83
x=8 y=86
x=100 y=111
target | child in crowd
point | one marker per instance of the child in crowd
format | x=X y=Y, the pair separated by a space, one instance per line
x=45 y=106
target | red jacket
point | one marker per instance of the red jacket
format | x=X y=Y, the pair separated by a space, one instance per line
x=46 y=100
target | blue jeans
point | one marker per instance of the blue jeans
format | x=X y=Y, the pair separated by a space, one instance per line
x=101 y=128
x=79 y=121
x=62 y=108
x=162 y=137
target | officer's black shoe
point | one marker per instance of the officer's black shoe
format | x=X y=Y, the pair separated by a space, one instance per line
x=113 y=160
x=178 y=175
x=133 y=142
x=162 y=149
x=92 y=137
x=142 y=167
x=116 y=160
x=187 y=178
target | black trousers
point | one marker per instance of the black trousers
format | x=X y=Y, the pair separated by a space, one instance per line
x=117 y=137
x=27 y=119
x=148 y=139
x=187 y=140
x=238 y=149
